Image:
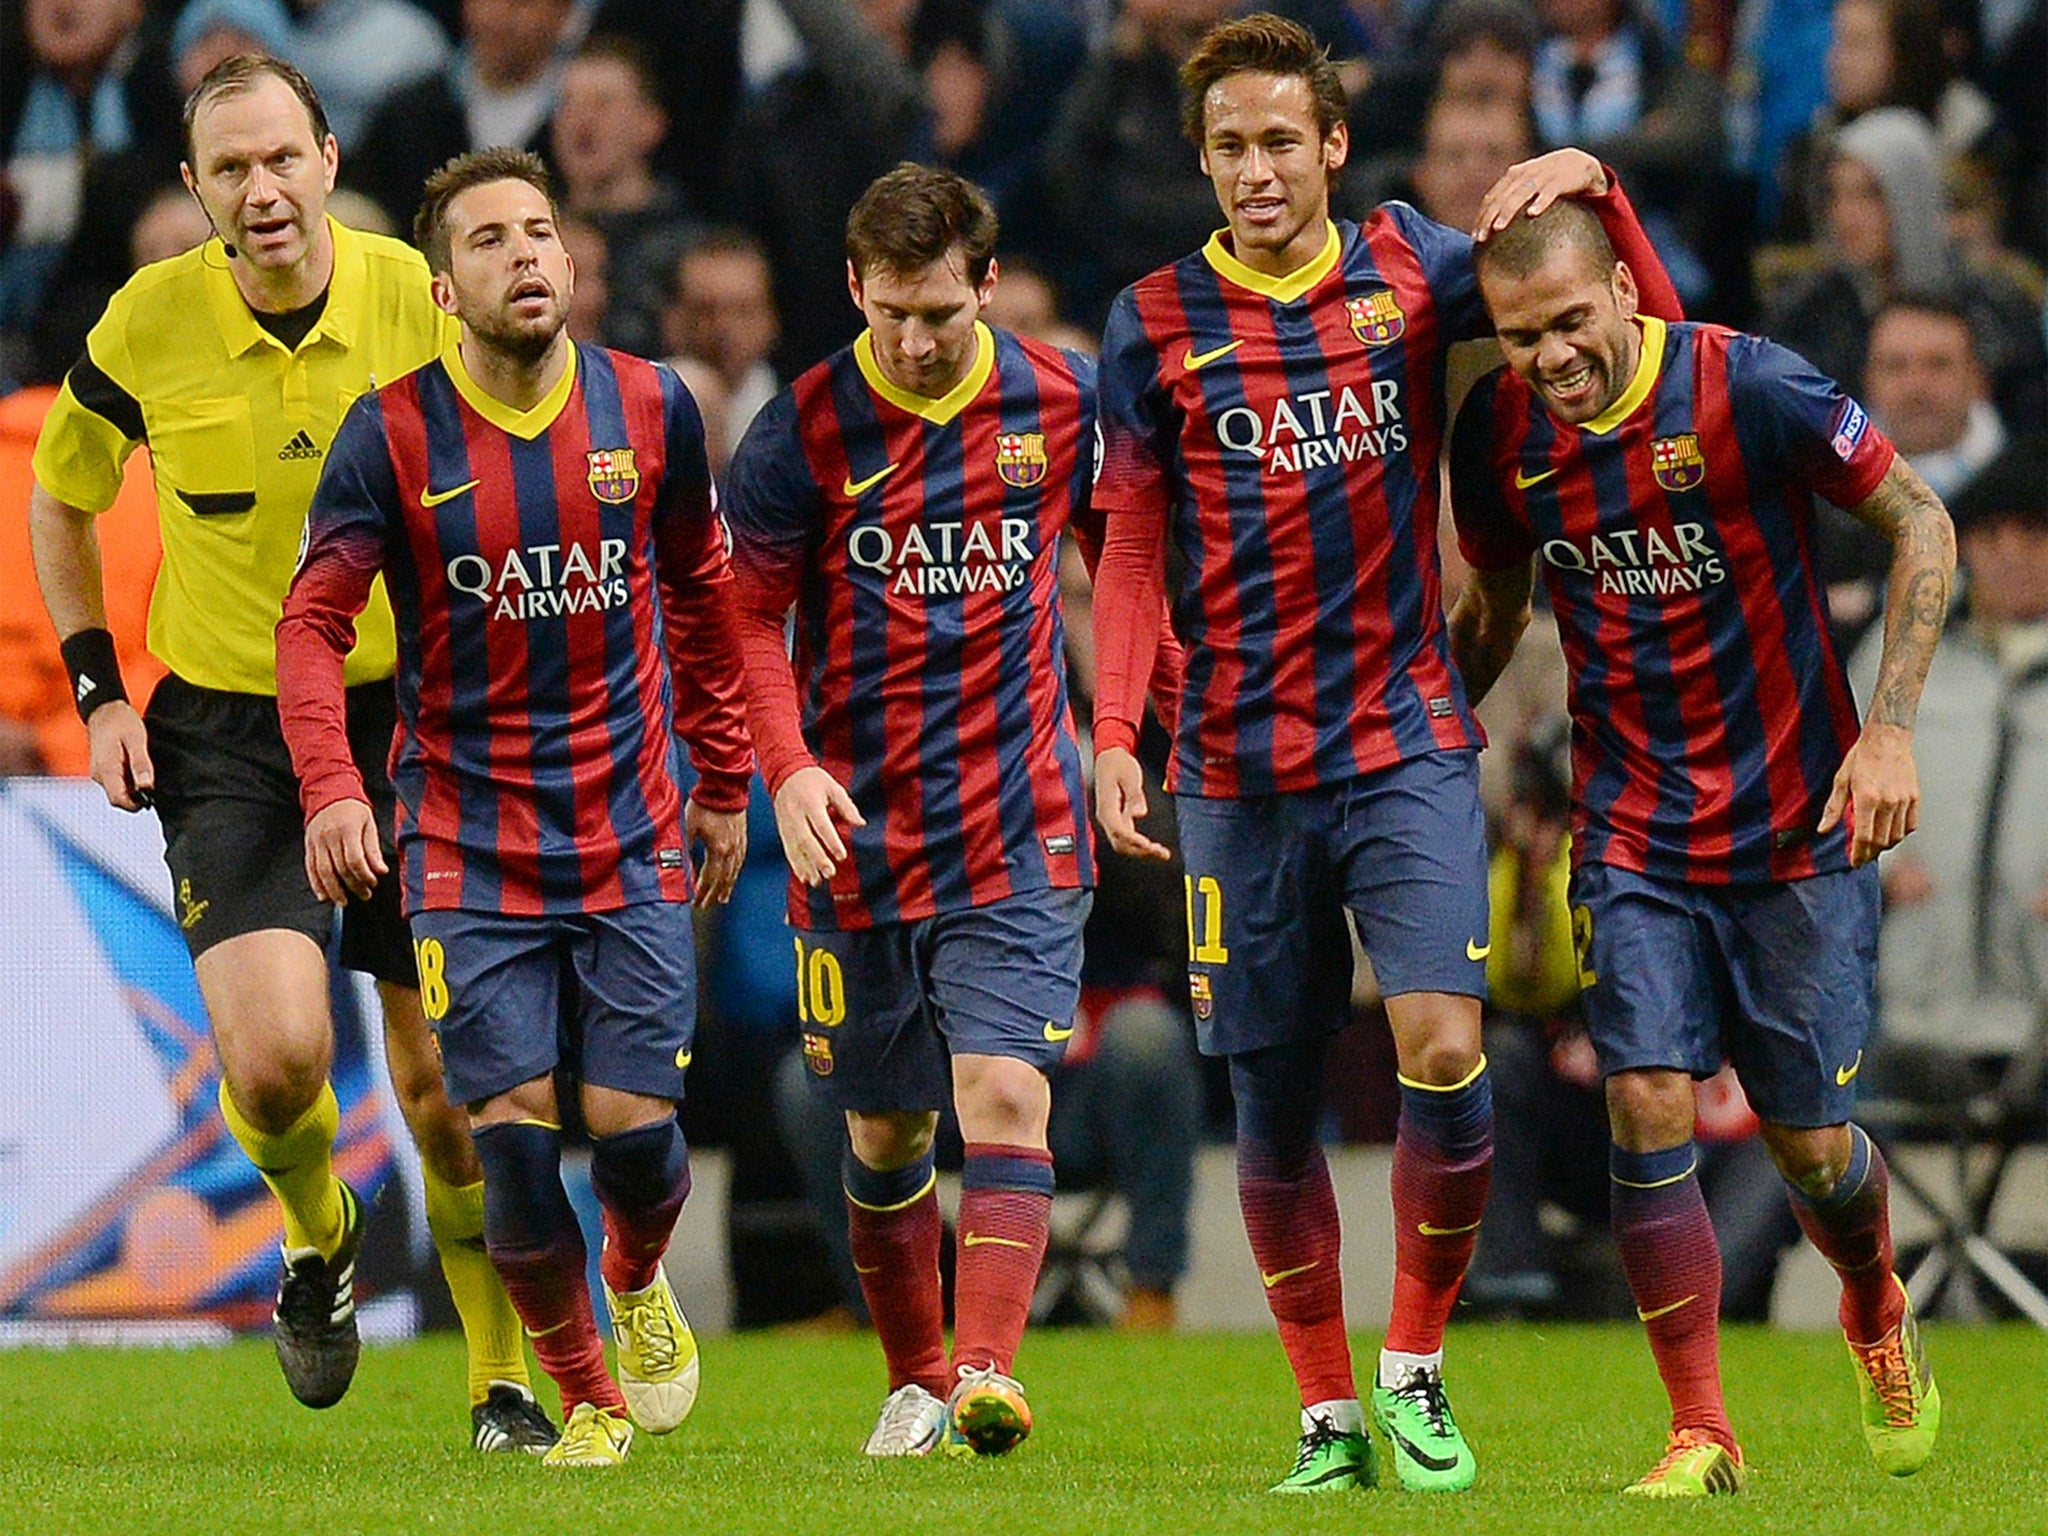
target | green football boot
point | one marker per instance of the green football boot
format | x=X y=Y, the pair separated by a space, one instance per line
x=1330 y=1460
x=1430 y=1455
x=1694 y=1466
x=1901 y=1404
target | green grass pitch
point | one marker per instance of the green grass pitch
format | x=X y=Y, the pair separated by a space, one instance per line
x=1135 y=1437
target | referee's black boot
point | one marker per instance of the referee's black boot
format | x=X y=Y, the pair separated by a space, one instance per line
x=315 y=1320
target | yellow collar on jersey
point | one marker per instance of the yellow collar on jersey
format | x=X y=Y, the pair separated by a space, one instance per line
x=338 y=322
x=1282 y=290
x=527 y=424
x=953 y=402
x=1648 y=366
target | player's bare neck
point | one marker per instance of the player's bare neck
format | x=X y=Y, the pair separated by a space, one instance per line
x=1303 y=247
x=280 y=292
x=510 y=379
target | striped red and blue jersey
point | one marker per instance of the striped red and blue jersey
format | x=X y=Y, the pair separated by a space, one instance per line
x=1710 y=711
x=1293 y=428
x=918 y=542
x=564 y=614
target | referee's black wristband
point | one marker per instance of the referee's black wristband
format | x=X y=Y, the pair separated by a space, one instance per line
x=95 y=670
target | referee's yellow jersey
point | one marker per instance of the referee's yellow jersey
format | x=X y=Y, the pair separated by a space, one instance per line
x=238 y=426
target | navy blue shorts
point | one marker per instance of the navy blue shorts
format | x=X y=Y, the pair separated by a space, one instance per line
x=612 y=996
x=882 y=1007
x=1269 y=880
x=1781 y=979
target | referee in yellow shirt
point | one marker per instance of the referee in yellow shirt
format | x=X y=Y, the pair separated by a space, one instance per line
x=235 y=362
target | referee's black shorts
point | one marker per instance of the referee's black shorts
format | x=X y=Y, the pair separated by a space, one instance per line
x=234 y=836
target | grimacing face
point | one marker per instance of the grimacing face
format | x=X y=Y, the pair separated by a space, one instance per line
x=509 y=278
x=1271 y=166
x=260 y=173
x=1568 y=329
x=923 y=321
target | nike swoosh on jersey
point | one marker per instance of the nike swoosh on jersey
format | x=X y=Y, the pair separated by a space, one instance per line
x=976 y=1239
x=854 y=487
x=1428 y=1231
x=1656 y=1312
x=1192 y=360
x=1055 y=1036
x=1523 y=482
x=1474 y=950
x=1278 y=1275
x=429 y=497
x=1846 y=1075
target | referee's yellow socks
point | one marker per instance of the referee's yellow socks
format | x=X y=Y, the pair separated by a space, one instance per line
x=497 y=1350
x=298 y=1165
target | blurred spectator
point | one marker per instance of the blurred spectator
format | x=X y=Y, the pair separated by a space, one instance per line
x=591 y=258
x=1607 y=81
x=88 y=126
x=1963 y=955
x=359 y=52
x=696 y=53
x=209 y=32
x=1776 y=82
x=807 y=148
x=1887 y=233
x=722 y=314
x=1880 y=53
x=714 y=405
x=1476 y=52
x=498 y=87
x=1127 y=190
x=358 y=210
x=605 y=132
x=1925 y=385
x=170 y=224
x=1466 y=145
x=1027 y=301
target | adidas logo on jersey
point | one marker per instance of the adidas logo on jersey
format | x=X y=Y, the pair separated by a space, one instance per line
x=301 y=447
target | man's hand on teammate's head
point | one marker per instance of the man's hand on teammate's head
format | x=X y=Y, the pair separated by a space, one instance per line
x=724 y=836
x=120 y=755
x=343 y=855
x=1531 y=186
x=1879 y=788
x=809 y=808
x=1120 y=804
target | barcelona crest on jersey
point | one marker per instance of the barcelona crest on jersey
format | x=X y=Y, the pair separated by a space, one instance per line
x=1677 y=461
x=1020 y=458
x=1376 y=317
x=613 y=477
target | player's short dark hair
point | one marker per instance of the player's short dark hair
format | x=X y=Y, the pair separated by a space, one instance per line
x=634 y=56
x=1260 y=44
x=1932 y=301
x=1527 y=243
x=239 y=73
x=913 y=215
x=478 y=168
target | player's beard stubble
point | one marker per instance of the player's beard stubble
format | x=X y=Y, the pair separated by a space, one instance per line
x=523 y=339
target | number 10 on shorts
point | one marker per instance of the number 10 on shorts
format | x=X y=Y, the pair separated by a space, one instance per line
x=820 y=986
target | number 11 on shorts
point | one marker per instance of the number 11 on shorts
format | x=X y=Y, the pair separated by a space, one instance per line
x=1206 y=893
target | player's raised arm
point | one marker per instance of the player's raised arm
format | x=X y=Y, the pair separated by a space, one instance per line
x=1878 y=776
x=1533 y=185
x=354 y=507
x=1131 y=494
x=701 y=626
x=771 y=508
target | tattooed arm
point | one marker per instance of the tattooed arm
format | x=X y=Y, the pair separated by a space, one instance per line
x=1486 y=621
x=1878 y=783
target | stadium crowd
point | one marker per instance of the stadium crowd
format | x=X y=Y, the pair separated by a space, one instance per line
x=1865 y=182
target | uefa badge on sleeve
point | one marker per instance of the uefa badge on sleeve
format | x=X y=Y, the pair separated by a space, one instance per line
x=1020 y=458
x=613 y=476
x=1376 y=317
x=1677 y=461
